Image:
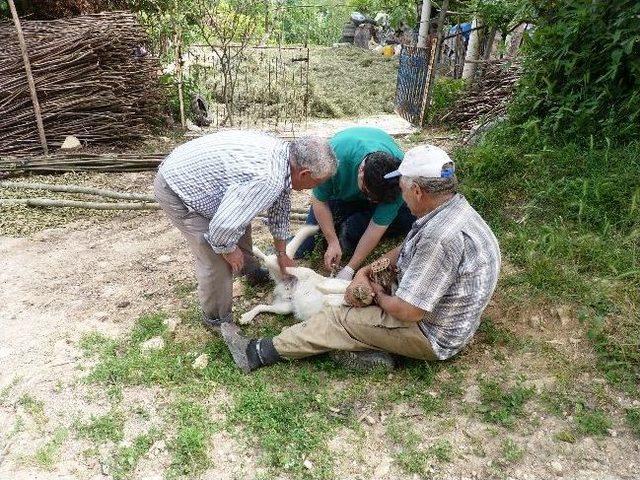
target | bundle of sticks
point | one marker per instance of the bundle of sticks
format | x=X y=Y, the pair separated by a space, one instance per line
x=94 y=79
x=79 y=162
x=487 y=98
x=107 y=199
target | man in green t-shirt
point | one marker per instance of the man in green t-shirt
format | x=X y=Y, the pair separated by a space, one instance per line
x=357 y=206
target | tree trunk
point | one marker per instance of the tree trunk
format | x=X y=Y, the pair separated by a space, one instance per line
x=425 y=16
x=473 y=52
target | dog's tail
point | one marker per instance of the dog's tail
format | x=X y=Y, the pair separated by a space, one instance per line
x=300 y=236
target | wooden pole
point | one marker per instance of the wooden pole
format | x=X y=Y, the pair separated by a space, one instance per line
x=177 y=40
x=27 y=69
x=434 y=64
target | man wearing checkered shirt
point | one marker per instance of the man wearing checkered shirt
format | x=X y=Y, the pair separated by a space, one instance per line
x=212 y=187
x=448 y=268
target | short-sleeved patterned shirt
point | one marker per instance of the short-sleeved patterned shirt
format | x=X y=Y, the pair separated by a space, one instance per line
x=448 y=266
x=230 y=177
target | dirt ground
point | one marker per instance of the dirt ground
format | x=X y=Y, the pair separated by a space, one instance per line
x=98 y=274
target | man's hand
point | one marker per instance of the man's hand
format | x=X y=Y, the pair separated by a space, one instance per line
x=378 y=291
x=283 y=262
x=333 y=255
x=358 y=281
x=235 y=259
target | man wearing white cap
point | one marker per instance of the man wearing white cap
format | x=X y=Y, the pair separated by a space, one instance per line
x=448 y=268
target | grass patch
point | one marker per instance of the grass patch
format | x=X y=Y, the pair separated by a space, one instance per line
x=511 y=452
x=126 y=458
x=291 y=423
x=500 y=405
x=47 y=455
x=33 y=407
x=350 y=81
x=567 y=220
x=633 y=419
x=442 y=451
x=102 y=429
x=591 y=421
x=408 y=456
x=190 y=445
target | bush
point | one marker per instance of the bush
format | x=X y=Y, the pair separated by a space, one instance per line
x=582 y=73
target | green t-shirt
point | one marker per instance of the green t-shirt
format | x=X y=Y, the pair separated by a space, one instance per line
x=351 y=146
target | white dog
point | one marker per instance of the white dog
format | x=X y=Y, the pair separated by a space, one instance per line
x=305 y=293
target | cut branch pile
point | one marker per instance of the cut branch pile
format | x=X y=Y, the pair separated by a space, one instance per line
x=136 y=201
x=94 y=80
x=80 y=162
x=487 y=98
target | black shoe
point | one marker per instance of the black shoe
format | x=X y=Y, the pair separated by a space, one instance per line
x=259 y=276
x=214 y=324
x=365 y=360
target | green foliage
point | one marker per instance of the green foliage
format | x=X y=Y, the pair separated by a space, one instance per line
x=399 y=10
x=511 y=451
x=103 y=428
x=500 y=405
x=567 y=217
x=318 y=25
x=446 y=91
x=47 y=454
x=190 y=444
x=127 y=457
x=633 y=419
x=582 y=73
x=499 y=14
x=591 y=421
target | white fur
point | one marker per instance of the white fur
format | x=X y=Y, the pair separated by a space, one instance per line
x=306 y=293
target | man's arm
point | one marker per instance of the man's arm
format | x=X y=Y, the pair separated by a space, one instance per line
x=324 y=217
x=240 y=204
x=367 y=243
x=396 y=307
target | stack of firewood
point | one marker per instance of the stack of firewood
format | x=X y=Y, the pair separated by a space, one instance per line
x=94 y=78
x=487 y=98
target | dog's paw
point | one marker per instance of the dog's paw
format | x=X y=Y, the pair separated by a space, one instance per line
x=246 y=318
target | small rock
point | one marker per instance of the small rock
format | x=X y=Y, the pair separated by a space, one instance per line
x=155 y=343
x=612 y=432
x=308 y=464
x=171 y=323
x=192 y=126
x=564 y=314
x=556 y=467
x=201 y=362
x=159 y=447
x=237 y=289
x=383 y=468
x=370 y=420
x=70 y=143
x=535 y=321
x=163 y=259
x=123 y=304
x=104 y=468
x=334 y=410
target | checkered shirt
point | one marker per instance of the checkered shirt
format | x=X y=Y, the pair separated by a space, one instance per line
x=448 y=266
x=230 y=177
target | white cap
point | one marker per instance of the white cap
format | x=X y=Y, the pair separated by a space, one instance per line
x=424 y=161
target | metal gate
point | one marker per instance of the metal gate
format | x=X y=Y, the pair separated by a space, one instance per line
x=264 y=87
